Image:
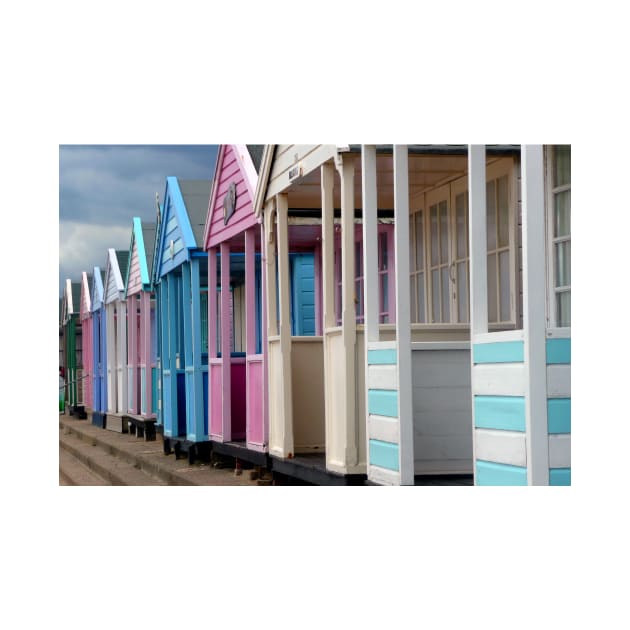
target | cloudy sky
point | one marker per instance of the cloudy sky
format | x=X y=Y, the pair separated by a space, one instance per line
x=101 y=189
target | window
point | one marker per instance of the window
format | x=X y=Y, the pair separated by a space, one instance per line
x=559 y=226
x=439 y=251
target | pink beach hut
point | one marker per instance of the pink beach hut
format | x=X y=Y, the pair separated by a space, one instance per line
x=237 y=409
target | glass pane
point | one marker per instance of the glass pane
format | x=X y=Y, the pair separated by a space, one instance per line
x=562 y=165
x=412 y=299
x=562 y=214
x=491 y=222
x=383 y=252
x=492 y=288
x=446 y=303
x=434 y=236
x=502 y=200
x=443 y=233
x=420 y=288
x=435 y=295
x=384 y=293
x=504 y=283
x=462 y=292
x=462 y=236
x=419 y=241
x=563 y=313
x=563 y=264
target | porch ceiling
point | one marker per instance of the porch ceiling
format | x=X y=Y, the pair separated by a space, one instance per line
x=425 y=172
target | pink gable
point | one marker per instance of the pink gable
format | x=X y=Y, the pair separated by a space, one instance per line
x=230 y=169
x=134 y=284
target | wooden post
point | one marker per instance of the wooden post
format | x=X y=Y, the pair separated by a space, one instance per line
x=534 y=316
x=250 y=292
x=226 y=346
x=263 y=334
x=370 y=243
x=145 y=331
x=196 y=378
x=403 y=313
x=477 y=239
x=270 y=273
x=285 y=321
x=348 y=307
x=132 y=354
x=328 y=246
x=212 y=305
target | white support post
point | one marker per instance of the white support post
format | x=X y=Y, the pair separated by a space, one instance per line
x=226 y=345
x=348 y=307
x=328 y=246
x=250 y=293
x=121 y=363
x=370 y=242
x=477 y=240
x=478 y=248
x=403 y=313
x=285 y=321
x=270 y=273
x=534 y=321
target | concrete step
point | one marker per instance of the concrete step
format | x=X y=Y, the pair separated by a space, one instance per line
x=147 y=457
x=114 y=470
x=73 y=473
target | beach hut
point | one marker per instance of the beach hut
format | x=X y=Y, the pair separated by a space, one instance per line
x=234 y=240
x=141 y=332
x=180 y=273
x=433 y=407
x=99 y=349
x=85 y=315
x=306 y=194
x=72 y=333
x=116 y=339
x=521 y=377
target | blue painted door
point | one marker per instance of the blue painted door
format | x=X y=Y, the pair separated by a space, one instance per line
x=303 y=294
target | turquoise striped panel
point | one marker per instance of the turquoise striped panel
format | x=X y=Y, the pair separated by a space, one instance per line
x=499 y=352
x=383 y=402
x=559 y=415
x=558 y=351
x=384 y=454
x=492 y=474
x=381 y=357
x=500 y=412
x=559 y=476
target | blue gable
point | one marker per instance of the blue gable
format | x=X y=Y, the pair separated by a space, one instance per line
x=97 y=289
x=176 y=235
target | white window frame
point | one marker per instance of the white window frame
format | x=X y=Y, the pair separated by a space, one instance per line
x=449 y=191
x=552 y=290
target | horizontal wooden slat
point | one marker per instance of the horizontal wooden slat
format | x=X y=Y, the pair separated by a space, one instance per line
x=506 y=413
x=505 y=379
x=503 y=447
x=493 y=474
x=383 y=429
x=382 y=377
x=558 y=381
x=560 y=451
x=503 y=352
x=559 y=415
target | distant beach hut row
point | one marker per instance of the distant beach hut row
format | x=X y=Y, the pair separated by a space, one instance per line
x=380 y=314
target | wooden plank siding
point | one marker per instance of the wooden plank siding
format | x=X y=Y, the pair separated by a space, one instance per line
x=243 y=217
x=310 y=156
x=134 y=283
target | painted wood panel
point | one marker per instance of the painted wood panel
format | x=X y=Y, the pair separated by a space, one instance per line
x=255 y=416
x=560 y=451
x=384 y=455
x=503 y=352
x=230 y=172
x=383 y=428
x=500 y=412
x=506 y=379
x=493 y=474
x=558 y=381
x=383 y=402
x=383 y=476
x=288 y=156
x=382 y=377
x=381 y=356
x=134 y=283
x=504 y=447
x=215 y=374
x=559 y=476
x=559 y=415
x=558 y=351
x=307 y=379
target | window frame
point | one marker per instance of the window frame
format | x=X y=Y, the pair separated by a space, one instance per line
x=551 y=240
